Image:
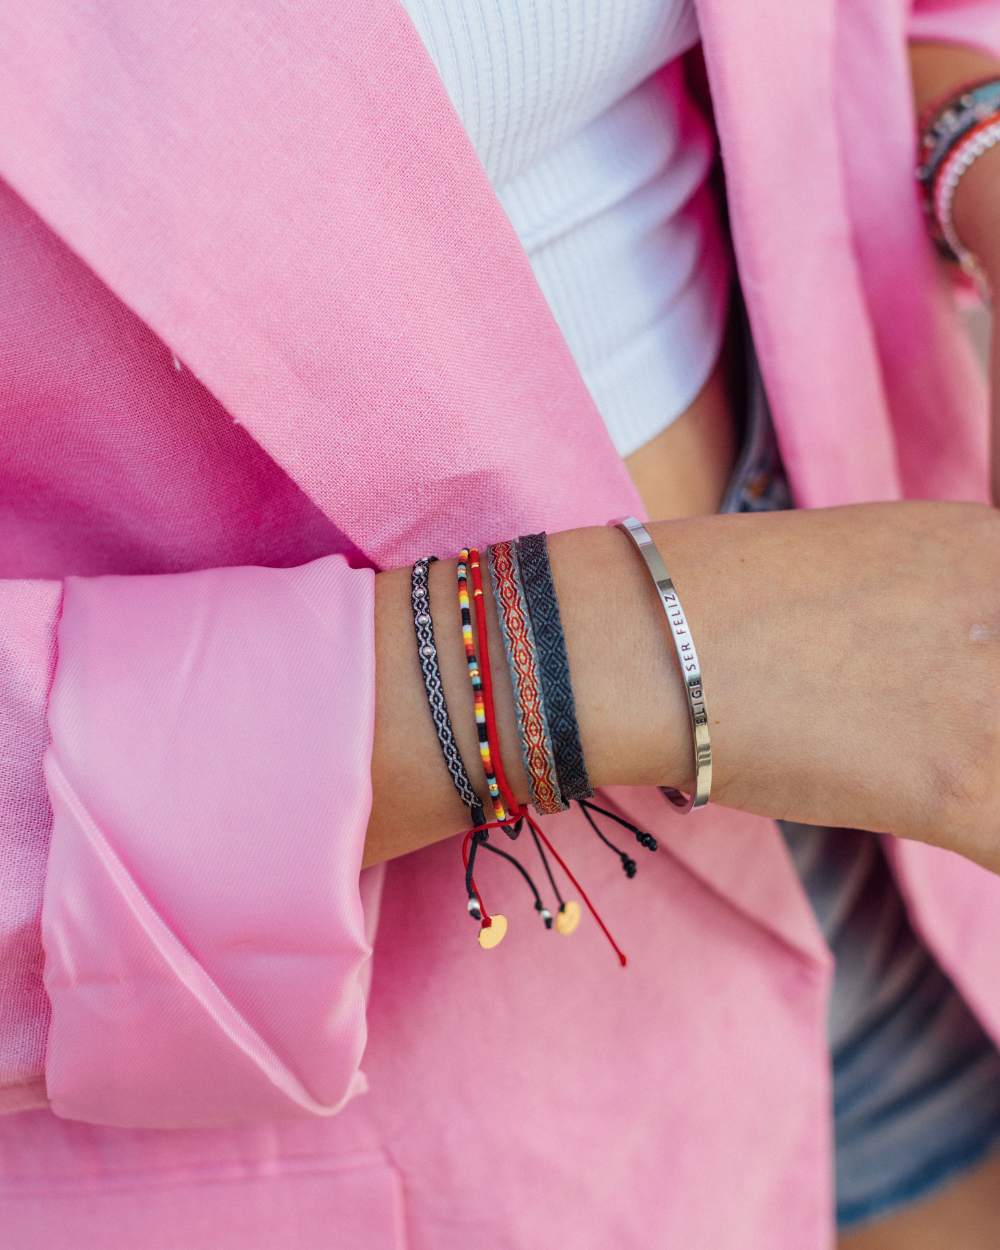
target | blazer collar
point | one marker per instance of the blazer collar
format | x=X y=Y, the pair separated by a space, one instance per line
x=286 y=196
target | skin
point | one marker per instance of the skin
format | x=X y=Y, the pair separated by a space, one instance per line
x=852 y=661
x=937 y=69
x=966 y=1215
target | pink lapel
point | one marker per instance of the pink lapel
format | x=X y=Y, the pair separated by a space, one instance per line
x=288 y=199
x=286 y=196
x=772 y=72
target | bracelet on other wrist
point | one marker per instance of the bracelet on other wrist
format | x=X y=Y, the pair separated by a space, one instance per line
x=954 y=132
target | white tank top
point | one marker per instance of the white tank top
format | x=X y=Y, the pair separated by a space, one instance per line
x=600 y=163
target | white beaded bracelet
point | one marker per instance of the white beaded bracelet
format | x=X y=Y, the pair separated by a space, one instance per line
x=690 y=668
x=974 y=145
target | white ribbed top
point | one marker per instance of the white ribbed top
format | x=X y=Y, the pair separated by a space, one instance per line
x=600 y=168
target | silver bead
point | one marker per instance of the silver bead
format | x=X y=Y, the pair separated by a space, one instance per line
x=419 y=592
x=427 y=650
x=423 y=619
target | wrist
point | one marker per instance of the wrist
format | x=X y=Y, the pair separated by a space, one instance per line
x=630 y=702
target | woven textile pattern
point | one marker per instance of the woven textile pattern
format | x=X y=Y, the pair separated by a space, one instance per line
x=557 y=690
x=519 y=643
x=423 y=626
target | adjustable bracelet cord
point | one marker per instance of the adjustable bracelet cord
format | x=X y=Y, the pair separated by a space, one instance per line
x=542 y=910
x=548 y=871
x=568 y=916
x=628 y=864
x=473 y=840
x=493 y=927
x=590 y=906
x=641 y=836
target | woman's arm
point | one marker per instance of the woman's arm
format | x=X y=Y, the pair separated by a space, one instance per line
x=851 y=660
x=850 y=656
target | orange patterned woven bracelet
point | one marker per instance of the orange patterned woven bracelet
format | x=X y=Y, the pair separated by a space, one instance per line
x=522 y=658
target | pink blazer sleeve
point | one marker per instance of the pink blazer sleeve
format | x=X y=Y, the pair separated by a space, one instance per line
x=206 y=952
x=974 y=22
x=29 y=612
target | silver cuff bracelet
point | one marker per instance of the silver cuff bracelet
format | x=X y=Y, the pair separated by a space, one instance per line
x=690 y=668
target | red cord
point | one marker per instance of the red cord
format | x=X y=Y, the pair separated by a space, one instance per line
x=487 y=677
x=604 y=928
x=516 y=810
x=487 y=920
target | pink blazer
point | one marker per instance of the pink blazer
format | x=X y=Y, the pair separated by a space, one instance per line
x=263 y=329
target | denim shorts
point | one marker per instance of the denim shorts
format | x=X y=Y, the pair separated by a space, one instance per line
x=916 y=1081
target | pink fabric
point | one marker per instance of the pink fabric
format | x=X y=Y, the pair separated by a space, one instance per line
x=29 y=611
x=974 y=22
x=285 y=202
x=547 y=1089
x=268 y=744
x=334 y=341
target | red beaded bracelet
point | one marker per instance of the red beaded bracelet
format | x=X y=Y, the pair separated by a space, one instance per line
x=478 y=690
x=514 y=808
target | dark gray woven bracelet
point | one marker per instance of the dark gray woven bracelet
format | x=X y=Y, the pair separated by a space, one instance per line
x=427 y=653
x=560 y=707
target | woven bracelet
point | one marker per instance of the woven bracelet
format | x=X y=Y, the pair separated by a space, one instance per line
x=522 y=659
x=477 y=687
x=485 y=668
x=427 y=652
x=550 y=645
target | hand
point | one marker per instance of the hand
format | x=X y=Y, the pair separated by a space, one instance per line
x=852 y=665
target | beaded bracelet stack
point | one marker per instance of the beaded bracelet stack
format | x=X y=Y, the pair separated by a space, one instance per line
x=551 y=748
x=954 y=132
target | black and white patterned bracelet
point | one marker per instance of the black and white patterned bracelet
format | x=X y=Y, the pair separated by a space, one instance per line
x=427 y=654
x=560 y=706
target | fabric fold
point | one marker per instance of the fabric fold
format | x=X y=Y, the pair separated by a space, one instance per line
x=29 y=613
x=209 y=775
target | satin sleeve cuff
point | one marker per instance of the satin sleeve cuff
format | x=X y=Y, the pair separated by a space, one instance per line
x=206 y=954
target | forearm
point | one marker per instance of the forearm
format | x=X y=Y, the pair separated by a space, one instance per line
x=629 y=701
x=851 y=663
x=836 y=695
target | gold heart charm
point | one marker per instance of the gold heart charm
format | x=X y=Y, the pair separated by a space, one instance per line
x=494 y=935
x=567 y=918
